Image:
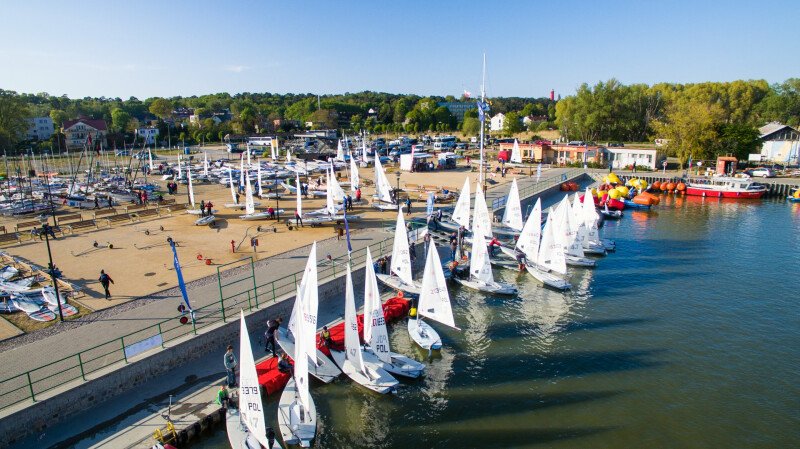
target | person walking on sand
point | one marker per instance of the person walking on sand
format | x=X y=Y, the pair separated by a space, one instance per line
x=202 y=208
x=105 y=281
x=208 y=208
x=298 y=220
x=229 y=360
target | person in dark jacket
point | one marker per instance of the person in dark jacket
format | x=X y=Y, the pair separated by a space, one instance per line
x=105 y=281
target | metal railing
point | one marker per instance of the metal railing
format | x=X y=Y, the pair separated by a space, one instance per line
x=243 y=292
x=543 y=184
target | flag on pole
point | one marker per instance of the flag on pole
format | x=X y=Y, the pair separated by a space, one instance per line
x=483 y=108
x=181 y=283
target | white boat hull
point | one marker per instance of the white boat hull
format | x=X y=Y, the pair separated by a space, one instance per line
x=397 y=284
x=423 y=334
x=377 y=380
x=205 y=221
x=240 y=205
x=498 y=288
x=575 y=261
x=384 y=206
x=297 y=426
x=258 y=216
x=548 y=279
x=400 y=366
x=199 y=211
x=325 y=370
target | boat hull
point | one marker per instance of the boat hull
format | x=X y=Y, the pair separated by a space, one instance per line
x=709 y=193
x=379 y=380
x=496 y=288
x=423 y=334
x=397 y=284
x=548 y=279
x=324 y=370
x=400 y=366
x=297 y=426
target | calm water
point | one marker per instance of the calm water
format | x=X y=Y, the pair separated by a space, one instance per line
x=688 y=336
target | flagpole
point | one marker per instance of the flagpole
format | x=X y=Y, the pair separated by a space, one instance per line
x=481 y=179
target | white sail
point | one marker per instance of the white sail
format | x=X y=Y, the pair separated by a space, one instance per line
x=566 y=229
x=248 y=156
x=364 y=148
x=516 y=154
x=330 y=204
x=249 y=204
x=481 y=217
x=297 y=191
x=512 y=214
x=382 y=187
x=401 y=259
x=528 y=241
x=288 y=155
x=260 y=182
x=230 y=181
x=296 y=310
x=551 y=252
x=480 y=268
x=578 y=222
x=273 y=150
x=375 y=333
x=352 y=344
x=461 y=211
x=178 y=175
x=205 y=164
x=355 y=181
x=590 y=217
x=251 y=408
x=336 y=188
x=310 y=303
x=241 y=170
x=191 y=189
x=301 y=361
x=150 y=159
x=434 y=299
x=339 y=151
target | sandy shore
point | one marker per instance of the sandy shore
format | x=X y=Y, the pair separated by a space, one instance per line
x=141 y=264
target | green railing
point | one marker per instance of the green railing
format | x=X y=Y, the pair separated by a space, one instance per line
x=239 y=292
x=543 y=184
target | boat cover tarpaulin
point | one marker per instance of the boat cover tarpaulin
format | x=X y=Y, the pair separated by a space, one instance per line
x=269 y=377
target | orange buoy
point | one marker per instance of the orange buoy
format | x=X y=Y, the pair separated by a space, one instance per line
x=400 y=294
x=670 y=186
x=656 y=185
x=680 y=187
x=564 y=187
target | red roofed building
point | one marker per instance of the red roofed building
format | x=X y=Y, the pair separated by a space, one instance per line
x=77 y=132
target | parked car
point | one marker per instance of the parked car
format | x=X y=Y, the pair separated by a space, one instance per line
x=762 y=172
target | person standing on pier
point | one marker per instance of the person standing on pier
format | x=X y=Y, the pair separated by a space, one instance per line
x=202 y=208
x=105 y=281
x=229 y=360
x=269 y=336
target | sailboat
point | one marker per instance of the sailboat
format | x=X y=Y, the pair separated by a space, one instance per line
x=567 y=228
x=591 y=217
x=365 y=373
x=246 y=425
x=480 y=269
x=512 y=214
x=434 y=303
x=461 y=212
x=401 y=277
x=306 y=307
x=516 y=154
x=383 y=196
x=355 y=180
x=378 y=349
x=528 y=244
x=249 y=205
x=297 y=413
x=551 y=252
x=587 y=232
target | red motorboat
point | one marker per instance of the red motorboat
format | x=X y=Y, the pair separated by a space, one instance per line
x=725 y=187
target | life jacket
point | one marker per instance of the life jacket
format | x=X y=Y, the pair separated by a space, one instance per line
x=412 y=312
x=326 y=335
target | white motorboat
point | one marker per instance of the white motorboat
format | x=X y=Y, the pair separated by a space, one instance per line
x=246 y=425
x=434 y=303
x=367 y=374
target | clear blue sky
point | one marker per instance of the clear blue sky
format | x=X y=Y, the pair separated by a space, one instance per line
x=175 y=47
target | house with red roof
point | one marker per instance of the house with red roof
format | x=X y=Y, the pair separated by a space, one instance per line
x=77 y=132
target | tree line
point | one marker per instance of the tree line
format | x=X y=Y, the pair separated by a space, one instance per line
x=700 y=120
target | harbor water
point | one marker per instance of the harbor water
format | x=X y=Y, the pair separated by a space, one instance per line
x=688 y=336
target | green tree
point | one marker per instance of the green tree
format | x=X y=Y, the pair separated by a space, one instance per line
x=161 y=108
x=120 y=119
x=400 y=111
x=471 y=126
x=58 y=117
x=690 y=127
x=512 y=124
x=740 y=140
x=13 y=118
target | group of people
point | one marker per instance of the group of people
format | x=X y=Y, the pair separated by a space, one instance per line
x=172 y=187
x=434 y=219
x=205 y=208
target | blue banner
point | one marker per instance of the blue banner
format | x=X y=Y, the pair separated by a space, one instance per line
x=483 y=108
x=181 y=283
x=347 y=233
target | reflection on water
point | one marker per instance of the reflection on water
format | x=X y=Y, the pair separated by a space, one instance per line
x=687 y=336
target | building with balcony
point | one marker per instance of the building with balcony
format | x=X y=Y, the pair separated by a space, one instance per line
x=77 y=132
x=39 y=128
x=148 y=134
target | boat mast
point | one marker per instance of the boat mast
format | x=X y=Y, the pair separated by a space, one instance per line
x=483 y=123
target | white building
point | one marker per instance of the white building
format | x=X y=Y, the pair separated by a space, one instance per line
x=39 y=128
x=148 y=134
x=624 y=157
x=780 y=143
x=497 y=122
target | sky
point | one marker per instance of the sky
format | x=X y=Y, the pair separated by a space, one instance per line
x=181 y=47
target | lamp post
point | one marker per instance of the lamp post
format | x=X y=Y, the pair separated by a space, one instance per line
x=397 y=192
x=50 y=266
x=305 y=161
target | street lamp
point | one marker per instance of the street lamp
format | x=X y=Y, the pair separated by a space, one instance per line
x=51 y=268
x=397 y=192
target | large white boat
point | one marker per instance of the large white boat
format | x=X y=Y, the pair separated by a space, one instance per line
x=726 y=187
